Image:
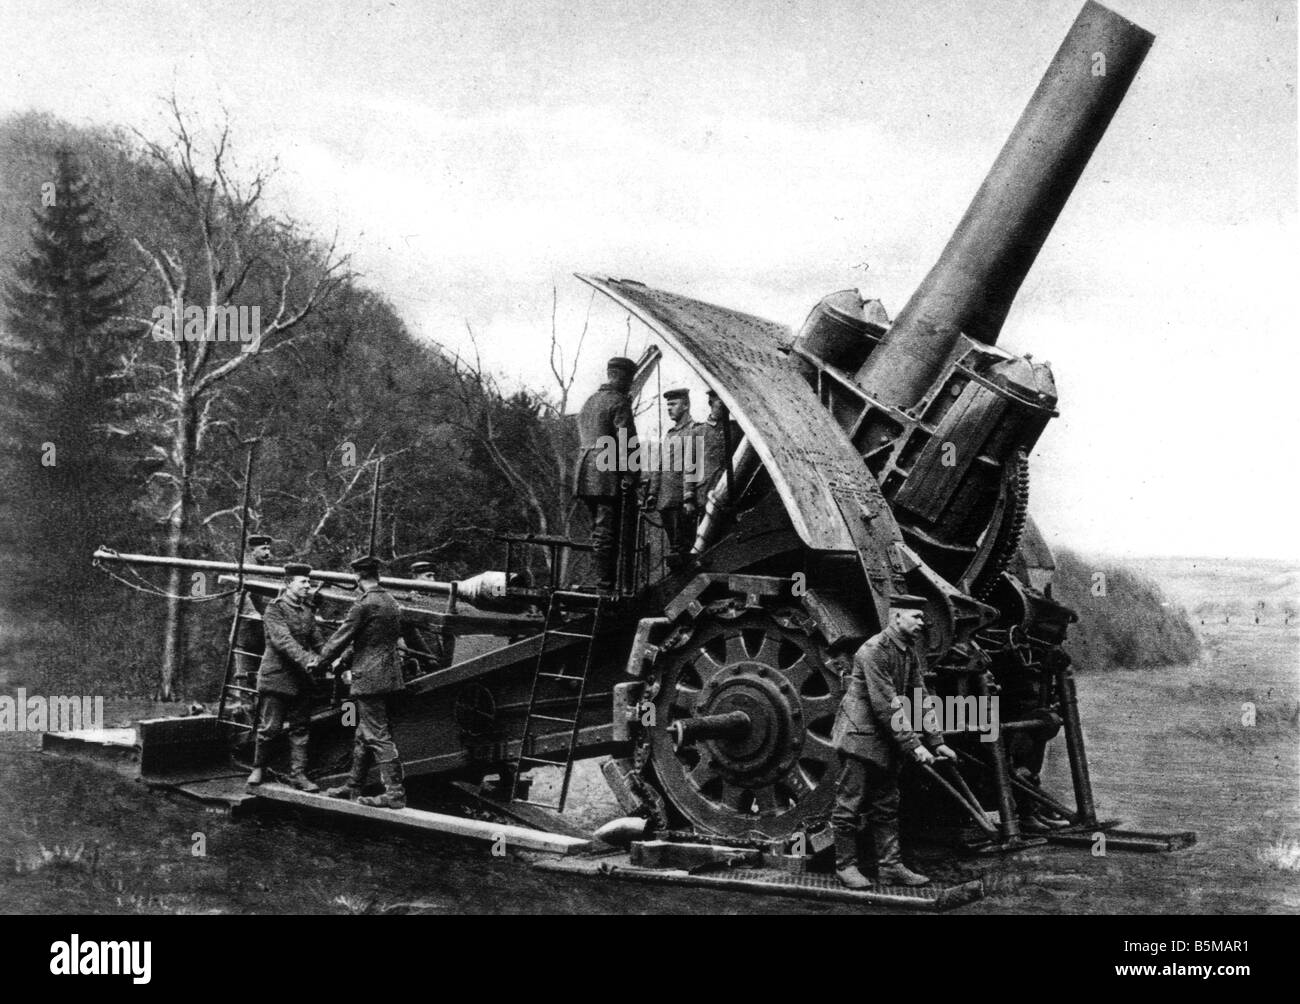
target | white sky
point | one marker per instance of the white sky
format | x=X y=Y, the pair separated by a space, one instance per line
x=759 y=155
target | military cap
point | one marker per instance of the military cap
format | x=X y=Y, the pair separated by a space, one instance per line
x=905 y=601
x=296 y=568
x=677 y=393
x=622 y=363
x=713 y=394
x=366 y=565
x=420 y=567
x=258 y=540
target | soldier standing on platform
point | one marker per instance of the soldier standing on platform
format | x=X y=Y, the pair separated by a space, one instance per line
x=675 y=479
x=872 y=737
x=284 y=678
x=720 y=434
x=249 y=642
x=372 y=627
x=601 y=485
x=439 y=644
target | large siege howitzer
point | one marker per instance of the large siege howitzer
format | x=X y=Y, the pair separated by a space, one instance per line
x=875 y=458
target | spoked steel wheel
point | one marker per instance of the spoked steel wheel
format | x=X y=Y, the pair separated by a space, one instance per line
x=752 y=703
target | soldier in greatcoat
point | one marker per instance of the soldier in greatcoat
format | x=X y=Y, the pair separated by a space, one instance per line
x=284 y=678
x=372 y=627
x=872 y=734
x=721 y=434
x=675 y=478
x=436 y=646
x=604 y=465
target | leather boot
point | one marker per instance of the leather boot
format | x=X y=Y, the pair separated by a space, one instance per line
x=351 y=789
x=890 y=869
x=259 y=763
x=394 y=796
x=298 y=765
x=846 y=862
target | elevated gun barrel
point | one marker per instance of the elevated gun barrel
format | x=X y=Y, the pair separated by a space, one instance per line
x=970 y=288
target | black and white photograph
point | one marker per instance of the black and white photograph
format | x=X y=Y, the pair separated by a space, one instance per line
x=622 y=458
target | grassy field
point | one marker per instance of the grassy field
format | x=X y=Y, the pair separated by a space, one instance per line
x=1168 y=750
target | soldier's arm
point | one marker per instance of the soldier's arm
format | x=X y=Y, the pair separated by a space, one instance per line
x=916 y=681
x=279 y=637
x=345 y=632
x=888 y=707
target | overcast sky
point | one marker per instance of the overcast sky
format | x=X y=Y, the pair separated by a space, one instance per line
x=759 y=155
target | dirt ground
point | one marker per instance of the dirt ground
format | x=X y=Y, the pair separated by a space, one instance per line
x=1168 y=751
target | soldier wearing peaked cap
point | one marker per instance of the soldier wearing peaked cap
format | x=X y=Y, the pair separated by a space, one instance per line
x=437 y=647
x=284 y=677
x=605 y=425
x=871 y=737
x=372 y=627
x=675 y=479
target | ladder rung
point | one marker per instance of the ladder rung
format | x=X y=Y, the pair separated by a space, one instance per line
x=561 y=676
x=569 y=634
x=242 y=690
x=551 y=718
x=244 y=651
x=250 y=617
x=239 y=725
x=540 y=805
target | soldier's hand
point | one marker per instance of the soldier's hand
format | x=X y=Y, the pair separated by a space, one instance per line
x=944 y=752
x=923 y=756
x=688 y=508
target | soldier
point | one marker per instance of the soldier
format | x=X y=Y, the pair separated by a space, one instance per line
x=249 y=642
x=284 y=678
x=372 y=626
x=672 y=485
x=720 y=432
x=870 y=736
x=438 y=644
x=601 y=485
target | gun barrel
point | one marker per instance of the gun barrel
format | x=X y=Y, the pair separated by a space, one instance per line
x=971 y=287
x=202 y=565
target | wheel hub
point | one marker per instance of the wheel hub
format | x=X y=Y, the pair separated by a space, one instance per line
x=773 y=774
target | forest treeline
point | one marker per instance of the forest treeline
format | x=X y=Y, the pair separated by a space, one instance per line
x=115 y=435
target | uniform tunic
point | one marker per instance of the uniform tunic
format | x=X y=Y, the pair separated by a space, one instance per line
x=292 y=638
x=603 y=415
x=372 y=627
x=683 y=443
x=870 y=734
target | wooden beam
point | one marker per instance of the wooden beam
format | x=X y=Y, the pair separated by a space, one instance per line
x=516 y=837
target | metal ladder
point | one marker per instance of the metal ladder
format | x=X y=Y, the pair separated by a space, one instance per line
x=228 y=685
x=554 y=682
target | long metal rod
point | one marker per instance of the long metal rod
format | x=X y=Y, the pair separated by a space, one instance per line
x=374 y=505
x=1069 y=698
x=199 y=564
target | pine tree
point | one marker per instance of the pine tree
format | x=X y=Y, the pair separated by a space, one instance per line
x=59 y=397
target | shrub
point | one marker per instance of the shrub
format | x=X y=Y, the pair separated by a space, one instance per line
x=1125 y=621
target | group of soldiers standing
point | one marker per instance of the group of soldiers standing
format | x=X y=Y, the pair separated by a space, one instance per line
x=692 y=457
x=284 y=658
x=870 y=744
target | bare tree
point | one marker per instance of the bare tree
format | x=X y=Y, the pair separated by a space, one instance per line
x=221 y=251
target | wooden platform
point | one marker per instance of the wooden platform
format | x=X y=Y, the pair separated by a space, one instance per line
x=516 y=837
